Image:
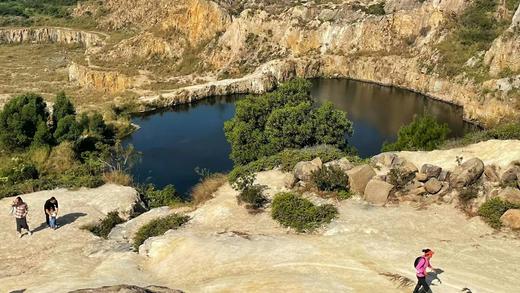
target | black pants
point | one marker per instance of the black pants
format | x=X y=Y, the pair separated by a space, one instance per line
x=46 y=217
x=421 y=282
x=21 y=223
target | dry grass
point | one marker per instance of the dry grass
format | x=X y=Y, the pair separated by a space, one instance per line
x=117 y=177
x=204 y=190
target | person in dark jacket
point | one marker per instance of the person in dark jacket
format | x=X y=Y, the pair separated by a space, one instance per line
x=50 y=207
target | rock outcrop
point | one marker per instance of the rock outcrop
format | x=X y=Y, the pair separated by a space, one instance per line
x=304 y=170
x=511 y=219
x=359 y=177
x=51 y=35
x=377 y=192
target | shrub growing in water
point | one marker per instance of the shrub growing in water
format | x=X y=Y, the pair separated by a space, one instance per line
x=493 y=209
x=103 y=228
x=286 y=118
x=330 y=178
x=423 y=133
x=299 y=213
x=158 y=227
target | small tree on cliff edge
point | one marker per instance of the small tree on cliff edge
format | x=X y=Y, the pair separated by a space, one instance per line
x=285 y=118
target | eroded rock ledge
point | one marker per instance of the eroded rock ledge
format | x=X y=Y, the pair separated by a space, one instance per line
x=51 y=35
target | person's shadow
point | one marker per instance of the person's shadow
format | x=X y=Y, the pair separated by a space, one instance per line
x=433 y=276
x=62 y=221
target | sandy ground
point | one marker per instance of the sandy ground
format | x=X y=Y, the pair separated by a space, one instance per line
x=225 y=249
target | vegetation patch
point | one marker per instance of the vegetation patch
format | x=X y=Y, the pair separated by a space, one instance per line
x=158 y=227
x=103 y=228
x=502 y=132
x=250 y=193
x=493 y=209
x=423 y=133
x=472 y=32
x=154 y=197
x=287 y=118
x=330 y=178
x=42 y=151
x=288 y=158
x=204 y=190
x=293 y=211
x=400 y=177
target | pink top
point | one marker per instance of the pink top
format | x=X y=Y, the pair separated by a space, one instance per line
x=421 y=267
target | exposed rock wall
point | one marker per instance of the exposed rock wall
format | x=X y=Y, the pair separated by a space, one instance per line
x=103 y=80
x=50 y=35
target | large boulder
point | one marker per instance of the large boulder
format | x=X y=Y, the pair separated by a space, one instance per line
x=384 y=159
x=431 y=171
x=511 y=219
x=377 y=191
x=511 y=175
x=359 y=177
x=467 y=173
x=343 y=163
x=303 y=170
x=433 y=185
x=490 y=171
x=510 y=194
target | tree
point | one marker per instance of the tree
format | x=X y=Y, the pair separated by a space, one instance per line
x=42 y=136
x=287 y=118
x=19 y=120
x=62 y=108
x=423 y=133
x=67 y=129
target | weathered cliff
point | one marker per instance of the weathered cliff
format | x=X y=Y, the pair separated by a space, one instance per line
x=51 y=35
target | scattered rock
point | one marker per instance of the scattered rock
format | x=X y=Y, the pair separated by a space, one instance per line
x=433 y=185
x=445 y=175
x=343 y=163
x=511 y=175
x=303 y=170
x=431 y=171
x=467 y=173
x=359 y=177
x=490 y=171
x=385 y=159
x=421 y=177
x=377 y=191
x=511 y=219
x=510 y=194
x=417 y=191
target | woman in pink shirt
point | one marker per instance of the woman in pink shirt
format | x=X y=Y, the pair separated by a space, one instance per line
x=420 y=268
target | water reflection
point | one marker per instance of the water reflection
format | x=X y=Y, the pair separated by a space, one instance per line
x=378 y=112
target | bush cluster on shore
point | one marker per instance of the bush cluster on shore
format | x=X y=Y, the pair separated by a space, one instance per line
x=40 y=150
x=103 y=228
x=493 y=209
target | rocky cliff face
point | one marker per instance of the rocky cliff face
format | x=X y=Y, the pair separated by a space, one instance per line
x=264 y=43
x=51 y=35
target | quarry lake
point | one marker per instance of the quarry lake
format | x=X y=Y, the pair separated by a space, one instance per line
x=176 y=141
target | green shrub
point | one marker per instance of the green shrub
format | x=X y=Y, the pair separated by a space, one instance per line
x=493 y=209
x=344 y=194
x=468 y=193
x=330 y=178
x=502 y=132
x=250 y=193
x=376 y=9
x=284 y=119
x=423 y=133
x=300 y=214
x=158 y=227
x=103 y=228
x=159 y=197
x=287 y=159
x=19 y=120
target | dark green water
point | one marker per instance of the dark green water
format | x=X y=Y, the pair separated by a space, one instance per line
x=177 y=141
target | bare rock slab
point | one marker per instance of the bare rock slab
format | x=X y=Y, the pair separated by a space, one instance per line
x=510 y=194
x=377 y=191
x=359 y=177
x=511 y=219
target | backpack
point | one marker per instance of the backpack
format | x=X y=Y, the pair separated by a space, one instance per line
x=417 y=260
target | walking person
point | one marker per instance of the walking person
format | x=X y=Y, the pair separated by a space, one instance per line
x=20 y=210
x=49 y=208
x=421 y=263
